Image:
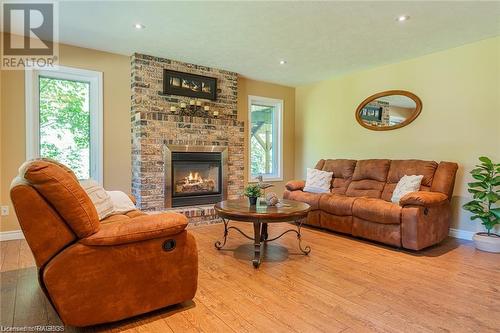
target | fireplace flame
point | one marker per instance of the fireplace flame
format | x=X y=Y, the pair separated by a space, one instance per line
x=194 y=178
x=193 y=182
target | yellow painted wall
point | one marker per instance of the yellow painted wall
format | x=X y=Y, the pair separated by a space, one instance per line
x=247 y=87
x=460 y=119
x=117 y=147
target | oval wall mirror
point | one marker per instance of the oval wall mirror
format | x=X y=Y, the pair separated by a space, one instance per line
x=388 y=110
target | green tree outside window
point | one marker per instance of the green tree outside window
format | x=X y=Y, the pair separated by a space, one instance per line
x=65 y=123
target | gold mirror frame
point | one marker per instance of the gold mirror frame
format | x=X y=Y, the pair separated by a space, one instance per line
x=408 y=94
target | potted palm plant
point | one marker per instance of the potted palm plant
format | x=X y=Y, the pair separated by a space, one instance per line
x=253 y=192
x=485 y=193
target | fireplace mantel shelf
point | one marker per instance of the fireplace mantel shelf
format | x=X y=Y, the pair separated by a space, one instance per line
x=176 y=118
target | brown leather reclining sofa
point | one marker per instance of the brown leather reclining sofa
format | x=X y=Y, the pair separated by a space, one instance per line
x=101 y=271
x=359 y=202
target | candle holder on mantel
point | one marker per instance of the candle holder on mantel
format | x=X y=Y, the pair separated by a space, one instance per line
x=182 y=109
x=193 y=109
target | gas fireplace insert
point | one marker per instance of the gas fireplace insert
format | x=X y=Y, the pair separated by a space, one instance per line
x=195 y=176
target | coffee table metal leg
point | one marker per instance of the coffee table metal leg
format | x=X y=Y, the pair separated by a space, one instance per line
x=218 y=244
x=261 y=237
x=257 y=253
x=264 y=234
x=307 y=248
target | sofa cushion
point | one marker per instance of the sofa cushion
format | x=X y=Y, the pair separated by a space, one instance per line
x=319 y=164
x=62 y=190
x=365 y=188
x=127 y=216
x=336 y=204
x=369 y=178
x=27 y=164
x=115 y=218
x=371 y=169
x=377 y=210
x=135 y=213
x=138 y=229
x=342 y=173
x=310 y=198
x=400 y=168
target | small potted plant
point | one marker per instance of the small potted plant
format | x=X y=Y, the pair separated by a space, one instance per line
x=253 y=192
x=486 y=194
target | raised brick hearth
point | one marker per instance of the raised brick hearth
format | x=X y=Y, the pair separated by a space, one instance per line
x=154 y=126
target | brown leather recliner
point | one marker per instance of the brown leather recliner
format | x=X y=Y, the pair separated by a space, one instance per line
x=101 y=271
x=359 y=202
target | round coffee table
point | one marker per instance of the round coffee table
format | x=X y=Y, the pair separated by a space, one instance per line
x=260 y=215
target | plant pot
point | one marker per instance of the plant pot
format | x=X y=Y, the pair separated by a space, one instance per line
x=488 y=243
x=252 y=200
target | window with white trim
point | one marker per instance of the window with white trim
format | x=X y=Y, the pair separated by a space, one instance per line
x=64 y=118
x=266 y=139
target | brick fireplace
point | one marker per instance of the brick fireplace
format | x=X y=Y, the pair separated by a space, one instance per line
x=157 y=132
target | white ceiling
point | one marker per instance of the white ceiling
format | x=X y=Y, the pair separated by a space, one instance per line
x=318 y=39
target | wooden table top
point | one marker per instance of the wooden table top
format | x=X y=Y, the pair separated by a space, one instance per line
x=242 y=211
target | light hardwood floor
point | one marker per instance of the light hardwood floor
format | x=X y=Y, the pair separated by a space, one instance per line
x=344 y=285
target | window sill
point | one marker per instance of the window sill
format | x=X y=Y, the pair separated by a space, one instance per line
x=266 y=179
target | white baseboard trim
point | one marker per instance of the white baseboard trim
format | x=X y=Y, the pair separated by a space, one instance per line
x=462 y=234
x=11 y=235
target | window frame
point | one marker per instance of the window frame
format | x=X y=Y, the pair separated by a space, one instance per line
x=32 y=97
x=278 y=104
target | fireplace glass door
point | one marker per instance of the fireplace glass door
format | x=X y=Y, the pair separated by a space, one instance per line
x=196 y=178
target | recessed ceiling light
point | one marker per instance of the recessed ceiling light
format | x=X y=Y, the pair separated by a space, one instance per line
x=139 y=26
x=402 y=18
x=282 y=62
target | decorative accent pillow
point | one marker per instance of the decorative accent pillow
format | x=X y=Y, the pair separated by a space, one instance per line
x=99 y=197
x=406 y=184
x=318 y=181
x=121 y=202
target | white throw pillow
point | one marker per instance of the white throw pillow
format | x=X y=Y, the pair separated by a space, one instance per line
x=121 y=202
x=99 y=197
x=406 y=184
x=318 y=181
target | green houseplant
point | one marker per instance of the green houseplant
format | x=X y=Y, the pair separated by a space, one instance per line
x=253 y=192
x=485 y=193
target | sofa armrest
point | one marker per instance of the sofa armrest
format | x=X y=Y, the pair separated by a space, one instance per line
x=424 y=199
x=295 y=185
x=139 y=228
